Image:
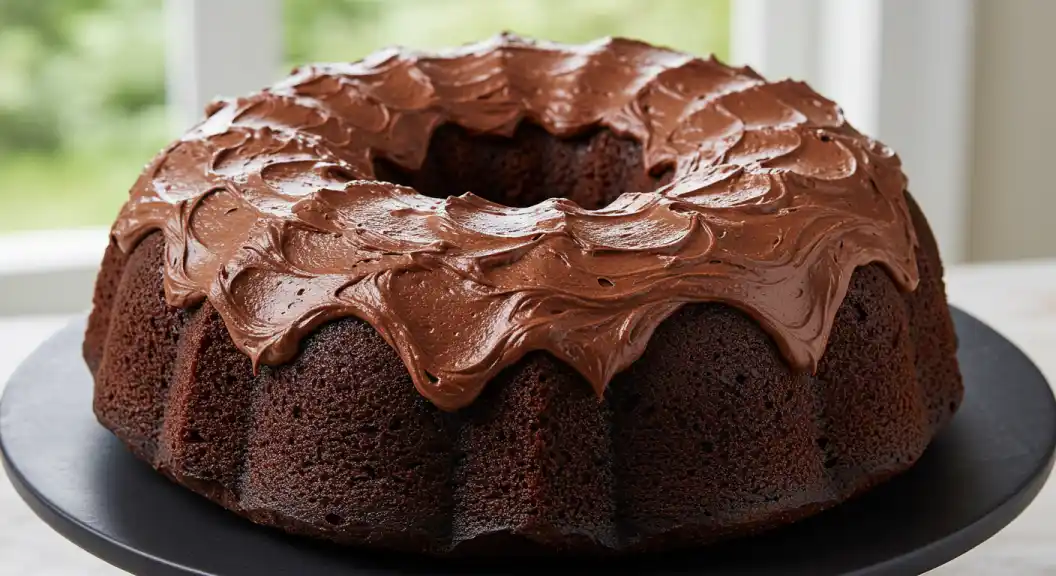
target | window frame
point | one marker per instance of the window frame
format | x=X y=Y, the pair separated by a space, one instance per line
x=893 y=66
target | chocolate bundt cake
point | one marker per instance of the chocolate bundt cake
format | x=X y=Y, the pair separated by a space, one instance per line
x=523 y=296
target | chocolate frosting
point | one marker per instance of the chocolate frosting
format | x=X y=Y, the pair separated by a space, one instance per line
x=270 y=210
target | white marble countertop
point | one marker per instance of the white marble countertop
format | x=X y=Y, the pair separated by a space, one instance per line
x=1017 y=299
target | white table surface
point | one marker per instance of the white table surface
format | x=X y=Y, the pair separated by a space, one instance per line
x=1017 y=299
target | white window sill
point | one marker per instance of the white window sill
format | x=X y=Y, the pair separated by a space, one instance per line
x=49 y=271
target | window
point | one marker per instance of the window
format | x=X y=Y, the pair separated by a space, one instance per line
x=82 y=83
x=81 y=107
x=333 y=30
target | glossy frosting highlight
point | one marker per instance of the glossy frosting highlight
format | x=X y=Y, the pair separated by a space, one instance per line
x=271 y=211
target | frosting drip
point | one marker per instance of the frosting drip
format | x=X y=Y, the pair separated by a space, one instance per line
x=271 y=211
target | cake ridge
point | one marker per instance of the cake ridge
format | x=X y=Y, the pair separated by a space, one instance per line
x=774 y=202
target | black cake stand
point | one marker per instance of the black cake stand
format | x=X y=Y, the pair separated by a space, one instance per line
x=977 y=475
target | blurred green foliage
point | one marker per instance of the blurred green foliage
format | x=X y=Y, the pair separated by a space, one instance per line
x=80 y=74
x=82 y=82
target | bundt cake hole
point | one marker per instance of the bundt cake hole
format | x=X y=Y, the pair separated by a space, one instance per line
x=591 y=168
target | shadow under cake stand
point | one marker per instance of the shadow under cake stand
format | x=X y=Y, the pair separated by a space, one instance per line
x=978 y=474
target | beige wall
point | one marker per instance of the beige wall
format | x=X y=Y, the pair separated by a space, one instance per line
x=1013 y=203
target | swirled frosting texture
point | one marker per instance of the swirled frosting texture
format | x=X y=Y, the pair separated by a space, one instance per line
x=271 y=211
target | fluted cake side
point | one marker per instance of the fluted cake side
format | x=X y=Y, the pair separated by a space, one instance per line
x=708 y=435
